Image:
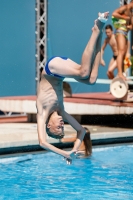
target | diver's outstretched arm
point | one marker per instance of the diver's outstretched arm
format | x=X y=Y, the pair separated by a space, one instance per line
x=45 y=145
x=79 y=129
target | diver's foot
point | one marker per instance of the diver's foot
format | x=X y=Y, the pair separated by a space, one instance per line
x=102 y=19
x=95 y=27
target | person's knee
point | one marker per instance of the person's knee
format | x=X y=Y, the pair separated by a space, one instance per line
x=84 y=71
x=83 y=74
x=121 y=52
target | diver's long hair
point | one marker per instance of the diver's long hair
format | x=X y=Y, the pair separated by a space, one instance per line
x=87 y=143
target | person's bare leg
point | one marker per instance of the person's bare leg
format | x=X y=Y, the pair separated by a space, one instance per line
x=96 y=56
x=72 y=69
x=85 y=67
x=111 y=68
x=91 y=50
x=121 y=44
x=96 y=63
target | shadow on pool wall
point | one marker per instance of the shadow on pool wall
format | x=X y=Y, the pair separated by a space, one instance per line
x=123 y=121
x=69 y=28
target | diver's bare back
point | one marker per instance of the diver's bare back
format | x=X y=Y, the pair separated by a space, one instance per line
x=50 y=94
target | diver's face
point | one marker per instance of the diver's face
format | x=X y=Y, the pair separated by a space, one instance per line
x=109 y=33
x=56 y=126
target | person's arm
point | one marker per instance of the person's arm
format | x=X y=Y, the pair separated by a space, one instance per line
x=132 y=21
x=130 y=27
x=41 y=119
x=102 y=52
x=42 y=138
x=119 y=13
x=80 y=130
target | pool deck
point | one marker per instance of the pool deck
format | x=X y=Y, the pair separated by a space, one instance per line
x=101 y=103
x=22 y=137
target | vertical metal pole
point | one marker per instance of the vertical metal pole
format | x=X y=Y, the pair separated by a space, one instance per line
x=41 y=36
x=37 y=9
x=45 y=32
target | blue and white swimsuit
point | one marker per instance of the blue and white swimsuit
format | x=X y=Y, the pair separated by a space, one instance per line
x=47 y=68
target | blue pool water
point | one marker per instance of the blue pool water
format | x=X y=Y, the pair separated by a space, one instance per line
x=107 y=174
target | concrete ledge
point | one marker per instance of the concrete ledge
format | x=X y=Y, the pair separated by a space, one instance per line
x=22 y=137
x=36 y=148
x=95 y=109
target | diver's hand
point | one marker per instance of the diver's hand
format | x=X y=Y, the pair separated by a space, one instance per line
x=130 y=27
x=70 y=156
x=102 y=62
x=125 y=17
x=122 y=76
x=128 y=55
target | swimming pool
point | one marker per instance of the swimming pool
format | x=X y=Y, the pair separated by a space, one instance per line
x=107 y=174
